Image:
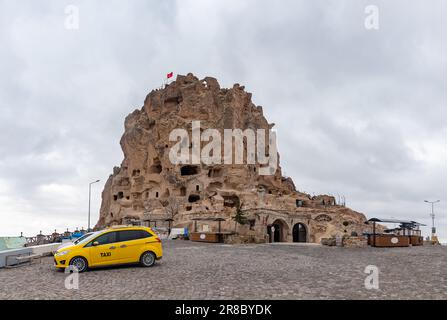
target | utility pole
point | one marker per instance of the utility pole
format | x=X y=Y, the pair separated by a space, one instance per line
x=89 y=201
x=432 y=215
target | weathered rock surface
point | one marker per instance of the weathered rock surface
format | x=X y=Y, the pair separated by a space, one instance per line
x=147 y=186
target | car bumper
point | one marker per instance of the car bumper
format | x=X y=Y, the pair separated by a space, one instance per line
x=60 y=262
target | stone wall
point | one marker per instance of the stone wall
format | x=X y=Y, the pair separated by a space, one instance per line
x=355 y=242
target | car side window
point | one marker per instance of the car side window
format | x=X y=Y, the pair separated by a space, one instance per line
x=105 y=238
x=128 y=235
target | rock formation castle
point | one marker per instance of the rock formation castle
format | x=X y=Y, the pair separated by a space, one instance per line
x=149 y=187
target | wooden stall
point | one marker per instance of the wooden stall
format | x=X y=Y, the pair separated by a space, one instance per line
x=416 y=240
x=391 y=240
x=207 y=236
x=408 y=233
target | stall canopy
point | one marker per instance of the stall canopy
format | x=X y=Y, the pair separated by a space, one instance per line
x=219 y=220
x=404 y=223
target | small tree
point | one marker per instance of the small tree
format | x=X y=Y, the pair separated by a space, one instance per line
x=240 y=217
x=172 y=208
x=147 y=210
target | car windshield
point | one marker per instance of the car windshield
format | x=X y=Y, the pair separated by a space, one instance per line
x=83 y=237
x=88 y=238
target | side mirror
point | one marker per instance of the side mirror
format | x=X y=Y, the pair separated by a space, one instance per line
x=96 y=243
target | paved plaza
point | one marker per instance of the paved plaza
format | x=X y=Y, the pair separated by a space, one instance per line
x=191 y=270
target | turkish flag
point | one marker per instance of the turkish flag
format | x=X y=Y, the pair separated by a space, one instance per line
x=169 y=75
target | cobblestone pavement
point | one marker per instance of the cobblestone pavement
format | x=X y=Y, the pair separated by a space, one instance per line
x=191 y=270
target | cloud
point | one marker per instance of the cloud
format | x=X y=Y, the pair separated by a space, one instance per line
x=359 y=113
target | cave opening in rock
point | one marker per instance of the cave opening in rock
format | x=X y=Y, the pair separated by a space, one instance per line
x=231 y=201
x=156 y=167
x=193 y=198
x=189 y=170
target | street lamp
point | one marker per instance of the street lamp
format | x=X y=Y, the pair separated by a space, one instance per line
x=432 y=215
x=89 y=201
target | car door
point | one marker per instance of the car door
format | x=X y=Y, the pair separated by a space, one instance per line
x=130 y=245
x=105 y=252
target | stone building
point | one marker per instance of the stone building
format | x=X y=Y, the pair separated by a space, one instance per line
x=147 y=186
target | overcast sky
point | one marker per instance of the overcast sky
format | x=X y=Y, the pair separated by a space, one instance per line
x=360 y=112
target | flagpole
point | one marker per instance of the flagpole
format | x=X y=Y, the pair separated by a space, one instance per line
x=165 y=81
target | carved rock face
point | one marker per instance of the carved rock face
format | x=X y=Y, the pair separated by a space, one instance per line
x=148 y=184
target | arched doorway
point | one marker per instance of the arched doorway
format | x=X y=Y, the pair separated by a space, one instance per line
x=278 y=231
x=299 y=233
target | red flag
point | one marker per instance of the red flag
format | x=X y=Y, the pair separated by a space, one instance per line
x=169 y=75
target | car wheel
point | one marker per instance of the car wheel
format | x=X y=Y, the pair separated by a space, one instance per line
x=79 y=263
x=147 y=259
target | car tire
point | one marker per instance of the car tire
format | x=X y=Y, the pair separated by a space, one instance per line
x=79 y=263
x=147 y=259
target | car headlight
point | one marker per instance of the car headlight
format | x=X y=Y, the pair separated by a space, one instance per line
x=62 y=253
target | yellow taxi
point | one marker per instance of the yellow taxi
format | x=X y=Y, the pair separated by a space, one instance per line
x=116 y=245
